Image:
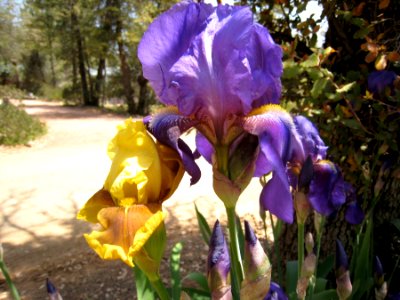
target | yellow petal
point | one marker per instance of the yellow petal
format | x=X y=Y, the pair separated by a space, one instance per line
x=120 y=225
x=97 y=202
x=135 y=160
x=172 y=171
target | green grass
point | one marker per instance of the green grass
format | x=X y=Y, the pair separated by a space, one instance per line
x=17 y=127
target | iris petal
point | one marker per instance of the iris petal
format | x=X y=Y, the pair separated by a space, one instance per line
x=165 y=41
x=167 y=126
x=327 y=189
x=204 y=147
x=120 y=226
x=276 y=196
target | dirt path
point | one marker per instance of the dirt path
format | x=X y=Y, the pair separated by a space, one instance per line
x=43 y=186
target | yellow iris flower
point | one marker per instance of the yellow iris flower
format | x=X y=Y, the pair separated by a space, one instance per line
x=143 y=174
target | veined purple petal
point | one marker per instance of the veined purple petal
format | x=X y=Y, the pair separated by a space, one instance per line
x=165 y=41
x=167 y=127
x=212 y=63
x=327 y=189
x=311 y=141
x=275 y=122
x=265 y=59
x=276 y=196
x=212 y=77
x=204 y=147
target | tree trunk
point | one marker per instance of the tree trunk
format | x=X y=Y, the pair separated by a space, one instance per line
x=143 y=102
x=125 y=70
x=106 y=37
x=81 y=59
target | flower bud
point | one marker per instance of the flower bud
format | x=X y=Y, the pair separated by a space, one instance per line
x=302 y=207
x=52 y=291
x=309 y=242
x=219 y=265
x=257 y=268
x=379 y=280
x=343 y=282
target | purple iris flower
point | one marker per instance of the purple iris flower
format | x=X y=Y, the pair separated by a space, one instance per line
x=276 y=293
x=219 y=71
x=379 y=80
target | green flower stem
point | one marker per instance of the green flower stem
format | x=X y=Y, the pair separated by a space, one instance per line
x=300 y=248
x=318 y=249
x=234 y=245
x=276 y=233
x=159 y=287
x=13 y=289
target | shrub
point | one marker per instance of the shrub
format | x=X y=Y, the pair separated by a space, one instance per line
x=17 y=127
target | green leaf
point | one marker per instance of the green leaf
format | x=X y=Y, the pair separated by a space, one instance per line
x=311 y=61
x=291 y=69
x=346 y=87
x=175 y=271
x=362 y=33
x=291 y=276
x=198 y=278
x=144 y=289
x=326 y=295
x=240 y=234
x=318 y=87
x=320 y=285
x=196 y=294
x=325 y=267
x=314 y=73
x=203 y=226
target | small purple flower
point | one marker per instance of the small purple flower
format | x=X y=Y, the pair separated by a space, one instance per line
x=379 y=80
x=276 y=293
x=218 y=265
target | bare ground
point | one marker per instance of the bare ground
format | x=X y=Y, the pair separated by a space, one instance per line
x=45 y=183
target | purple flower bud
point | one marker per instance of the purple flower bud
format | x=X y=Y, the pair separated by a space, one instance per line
x=219 y=265
x=52 y=291
x=343 y=282
x=275 y=293
x=257 y=268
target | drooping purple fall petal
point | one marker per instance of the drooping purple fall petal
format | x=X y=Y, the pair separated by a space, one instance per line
x=167 y=126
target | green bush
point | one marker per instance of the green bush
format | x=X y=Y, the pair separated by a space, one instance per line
x=9 y=91
x=17 y=127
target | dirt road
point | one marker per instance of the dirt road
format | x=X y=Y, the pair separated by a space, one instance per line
x=44 y=184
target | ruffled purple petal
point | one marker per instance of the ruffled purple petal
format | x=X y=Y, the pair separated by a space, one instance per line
x=265 y=59
x=311 y=141
x=167 y=39
x=167 y=127
x=276 y=196
x=327 y=189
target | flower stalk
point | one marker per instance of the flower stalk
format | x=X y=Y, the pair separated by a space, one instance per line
x=160 y=289
x=13 y=289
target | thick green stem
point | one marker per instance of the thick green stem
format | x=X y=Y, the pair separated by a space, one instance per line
x=276 y=232
x=236 y=258
x=318 y=249
x=13 y=289
x=300 y=247
x=160 y=289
